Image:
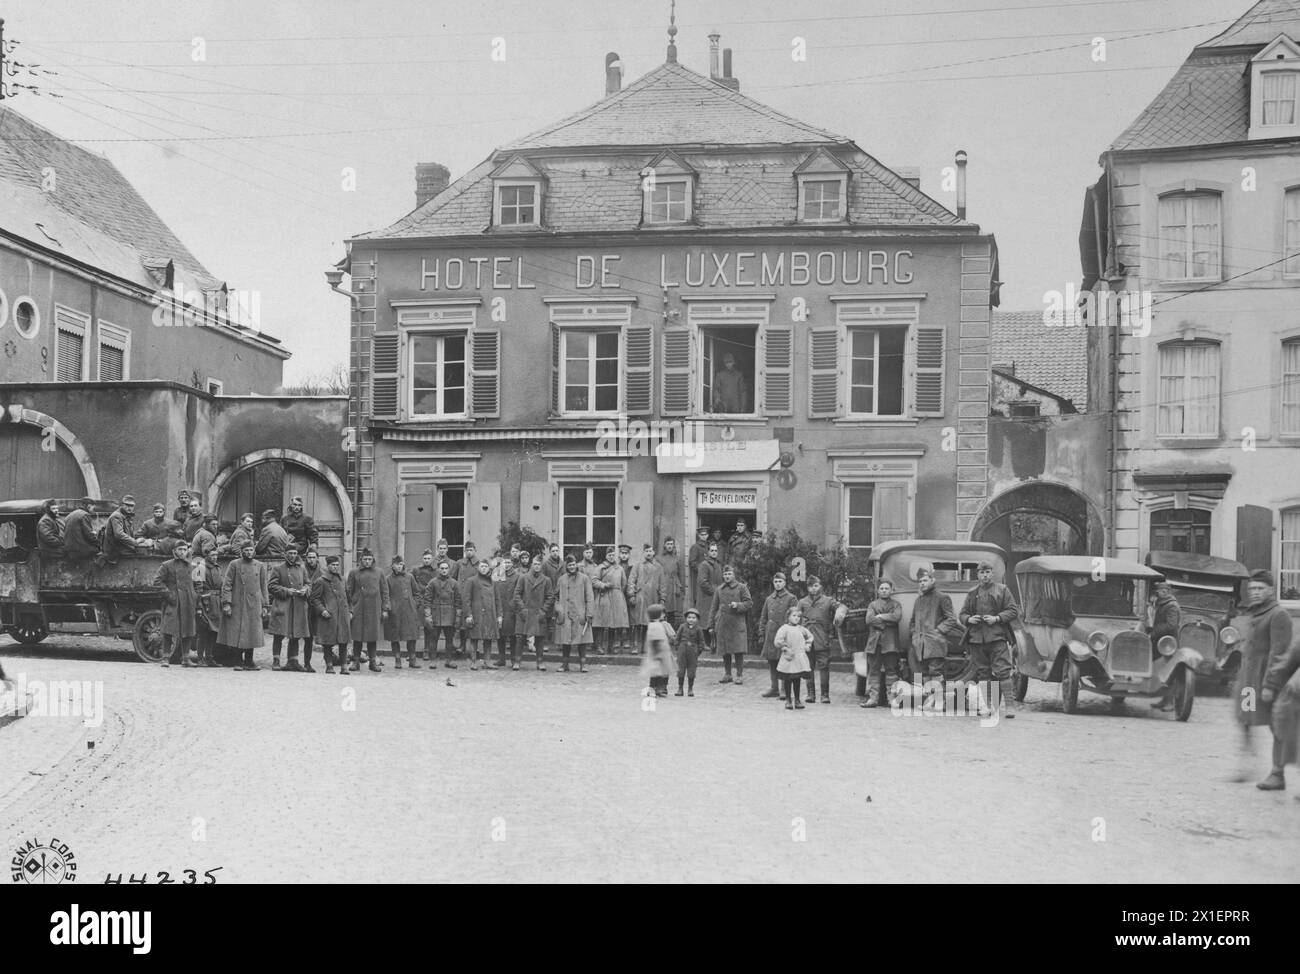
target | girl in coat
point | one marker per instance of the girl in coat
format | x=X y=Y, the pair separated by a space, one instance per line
x=403 y=622
x=482 y=615
x=794 y=642
x=659 y=639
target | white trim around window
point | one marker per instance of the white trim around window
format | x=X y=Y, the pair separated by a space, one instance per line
x=74 y=324
x=814 y=192
x=669 y=201
x=1187 y=389
x=215 y=387
x=507 y=201
x=1189 y=225
x=1291 y=232
x=445 y=351
x=572 y=319
x=118 y=339
x=34 y=329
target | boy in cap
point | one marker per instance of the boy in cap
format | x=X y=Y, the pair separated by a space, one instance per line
x=690 y=643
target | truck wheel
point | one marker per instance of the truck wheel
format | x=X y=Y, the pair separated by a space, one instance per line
x=29 y=632
x=1184 y=686
x=1070 y=687
x=147 y=637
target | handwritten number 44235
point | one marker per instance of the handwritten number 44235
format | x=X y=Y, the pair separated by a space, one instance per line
x=191 y=878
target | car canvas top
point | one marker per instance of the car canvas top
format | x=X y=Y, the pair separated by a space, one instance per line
x=1087 y=565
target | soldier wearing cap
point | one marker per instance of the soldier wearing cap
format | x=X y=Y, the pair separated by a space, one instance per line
x=1268 y=661
x=119 y=533
x=329 y=602
x=699 y=551
x=245 y=605
x=205 y=538
x=274 y=539
x=160 y=531
x=289 y=589
x=299 y=526
x=402 y=625
x=610 y=586
x=987 y=614
x=182 y=511
x=776 y=607
x=645 y=587
x=175 y=580
x=673 y=593
x=575 y=606
x=441 y=601
x=933 y=623
x=367 y=590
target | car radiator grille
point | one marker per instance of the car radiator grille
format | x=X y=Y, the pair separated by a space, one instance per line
x=1130 y=653
x=1204 y=641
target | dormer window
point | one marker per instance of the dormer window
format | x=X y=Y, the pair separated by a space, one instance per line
x=517 y=195
x=1275 y=91
x=823 y=189
x=667 y=190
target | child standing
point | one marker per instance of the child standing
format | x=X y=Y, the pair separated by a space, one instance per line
x=690 y=643
x=659 y=637
x=794 y=641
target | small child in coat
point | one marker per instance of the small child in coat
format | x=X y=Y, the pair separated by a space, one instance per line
x=659 y=638
x=794 y=642
x=690 y=643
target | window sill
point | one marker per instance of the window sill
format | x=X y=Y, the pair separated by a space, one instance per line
x=728 y=419
x=1180 y=283
x=877 y=421
x=422 y=418
x=1188 y=442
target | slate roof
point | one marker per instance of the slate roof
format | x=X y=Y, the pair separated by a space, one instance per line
x=1208 y=99
x=93 y=214
x=1054 y=359
x=743 y=152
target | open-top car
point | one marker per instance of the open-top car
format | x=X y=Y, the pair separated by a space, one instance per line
x=1084 y=625
x=954 y=564
x=1208 y=591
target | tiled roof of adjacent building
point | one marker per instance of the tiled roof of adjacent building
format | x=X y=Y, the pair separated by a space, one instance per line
x=91 y=213
x=744 y=155
x=1207 y=101
x=1054 y=359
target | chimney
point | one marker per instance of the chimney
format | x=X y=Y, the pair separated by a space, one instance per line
x=613 y=74
x=960 y=159
x=431 y=178
x=714 y=73
x=726 y=78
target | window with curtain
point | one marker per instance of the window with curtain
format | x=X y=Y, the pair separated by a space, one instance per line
x=1291 y=387
x=1190 y=243
x=1279 y=97
x=1181 y=530
x=1188 y=403
x=1291 y=233
x=1290 y=576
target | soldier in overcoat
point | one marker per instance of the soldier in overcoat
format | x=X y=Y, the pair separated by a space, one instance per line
x=404 y=615
x=730 y=624
x=160 y=531
x=534 y=600
x=884 y=613
x=674 y=602
x=207 y=583
x=290 y=590
x=610 y=586
x=482 y=615
x=79 y=539
x=205 y=538
x=442 y=612
x=819 y=616
x=507 y=579
x=300 y=526
x=575 y=606
x=698 y=553
x=175 y=580
x=933 y=624
x=49 y=529
x=329 y=602
x=775 y=609
x=708 y=576
x=368 y=603
x=645 y=587
x=311 y=561
x=245 y=605
x=119 y=533
x=1268 y=661
x=274 y=539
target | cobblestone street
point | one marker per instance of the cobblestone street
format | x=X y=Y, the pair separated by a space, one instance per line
x=565 y=777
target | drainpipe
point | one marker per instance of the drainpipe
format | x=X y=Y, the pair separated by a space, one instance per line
x=1112 y=445
x=334 y=277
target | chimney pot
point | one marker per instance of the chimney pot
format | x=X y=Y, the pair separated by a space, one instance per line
x=960 y=159
x=613 y=73
x=727 y=78
x=714 y=71
x=431 y=178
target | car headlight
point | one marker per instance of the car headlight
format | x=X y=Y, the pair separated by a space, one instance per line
x=1229 y=635
x=1166 y=645
x=1098 y=641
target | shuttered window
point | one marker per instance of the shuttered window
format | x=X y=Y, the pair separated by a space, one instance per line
x=111 y=364
x=485 y=375
x=928 y=394
x=778 y=370
x=71 y=350
x=638 y=392
x=823 y=372
x=677 y=373
x=383 y=376
x=875 y=513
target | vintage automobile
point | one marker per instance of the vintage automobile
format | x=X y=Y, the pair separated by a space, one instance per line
x=1208 y=590
x=954 y=564
x=1083 y=625
x=42 y=593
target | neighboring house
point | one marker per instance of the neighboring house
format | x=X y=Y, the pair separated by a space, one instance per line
x=602 y=270
x=1198 y=209
x=1039 y=369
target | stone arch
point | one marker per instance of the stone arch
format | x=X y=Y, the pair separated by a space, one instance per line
x=18 y=413
x=231 y=470
x=1050 y=498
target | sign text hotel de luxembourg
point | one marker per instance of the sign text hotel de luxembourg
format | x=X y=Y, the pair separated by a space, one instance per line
x=721 y=269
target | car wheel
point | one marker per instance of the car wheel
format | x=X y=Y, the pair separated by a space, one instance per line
x=1184 y=687
x=29 y=631
x=1070 y=687
x=147 y=637
x=1021 y=689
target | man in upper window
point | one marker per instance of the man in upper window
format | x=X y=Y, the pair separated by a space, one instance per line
x=730 y=393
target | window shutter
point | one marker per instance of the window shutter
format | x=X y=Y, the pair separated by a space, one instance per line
x=638 y=390
x=677 y=373
x=831 y=510
x=555 y=369
x=417 y=521
x=483 y=516
x=890 y=516
x=928 y=396
x=485 y=373
x=112 y=363
x=823 y=372
x=778 y=370
x=537 y=507
x=636 y=523
x=383 y=376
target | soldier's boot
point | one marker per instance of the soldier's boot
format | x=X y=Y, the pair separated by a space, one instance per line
x=374 y=665
x=582 y=658
x=397 y=655
x=772 y=691
x=1274 y=782
x=826 y=685
x=873 y=698
x=1007 y=696
x=411 y=659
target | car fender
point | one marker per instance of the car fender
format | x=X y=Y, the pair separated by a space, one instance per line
x=1081 y=652
x=1180 y=657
